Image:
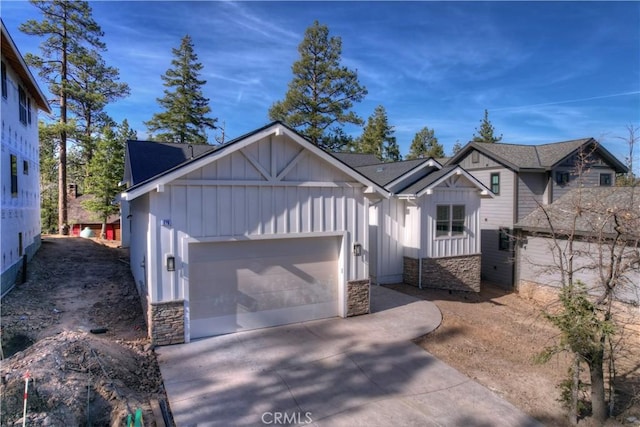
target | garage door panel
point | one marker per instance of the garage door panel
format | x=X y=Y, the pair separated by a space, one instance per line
x=250 y=284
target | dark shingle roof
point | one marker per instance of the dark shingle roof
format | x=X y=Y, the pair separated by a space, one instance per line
x=385 y=173
x=423 y=183
x=356 y=159
x=541 y=157
x=147 y=159
x=595 y=206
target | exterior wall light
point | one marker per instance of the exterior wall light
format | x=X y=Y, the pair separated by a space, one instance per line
x=171 y=263
x=357 y=249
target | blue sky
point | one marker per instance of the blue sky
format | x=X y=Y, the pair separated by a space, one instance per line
x=546 y=71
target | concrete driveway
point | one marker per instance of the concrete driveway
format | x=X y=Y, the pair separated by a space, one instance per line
x=360 y=371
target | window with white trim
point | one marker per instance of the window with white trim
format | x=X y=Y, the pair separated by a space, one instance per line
x=450 y=220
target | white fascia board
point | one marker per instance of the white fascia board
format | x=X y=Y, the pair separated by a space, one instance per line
x=197 y=164
x=336 y=163
x=430 y=163
x=276 y=129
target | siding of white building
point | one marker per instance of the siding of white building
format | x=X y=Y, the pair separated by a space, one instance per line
x=19 y=163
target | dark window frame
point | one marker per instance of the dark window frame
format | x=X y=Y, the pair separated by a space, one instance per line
x=25 y=167
x=607 y=180
x=504 y=239
x=13 y=167
x=495 y=186
x=22 y=105
x=28 y=110
x=562 y=177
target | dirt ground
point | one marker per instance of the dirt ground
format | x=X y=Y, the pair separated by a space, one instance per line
x=493 y=338
x=78 y=285
x=77 y=327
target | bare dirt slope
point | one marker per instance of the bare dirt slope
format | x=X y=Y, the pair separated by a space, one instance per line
x=493 y=338
x=76 y=286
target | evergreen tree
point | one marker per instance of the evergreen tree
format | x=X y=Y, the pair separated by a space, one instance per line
x=425 y=145
x=106 y=169
x=485 y=133
x=456 y=147
x=377 y=137
x=49 y=143
x=185 y=117
x=67 y=26
x=322 y=91
x=95 y=85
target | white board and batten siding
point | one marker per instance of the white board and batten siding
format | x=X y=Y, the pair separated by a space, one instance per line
x=449 y=246
x=271 y=189
x=388 y=234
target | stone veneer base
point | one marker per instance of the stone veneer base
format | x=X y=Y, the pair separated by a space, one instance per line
x=166 y=322
x=459 y=273
x=358 y=297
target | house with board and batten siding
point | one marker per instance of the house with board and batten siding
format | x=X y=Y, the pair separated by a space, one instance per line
x=20 y=103
x=427 y=234
x=522 y=177
x=270 y=229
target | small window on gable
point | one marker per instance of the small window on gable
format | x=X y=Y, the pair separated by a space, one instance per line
x=475 y=157
x=605 y=179
x=495 y=183
x=4 y=80
x=562 y=178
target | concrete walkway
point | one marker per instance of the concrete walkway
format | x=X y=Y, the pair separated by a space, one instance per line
x=360 y=371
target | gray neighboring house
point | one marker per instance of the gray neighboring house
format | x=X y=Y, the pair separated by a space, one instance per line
x=537 y=254
x=521 y=177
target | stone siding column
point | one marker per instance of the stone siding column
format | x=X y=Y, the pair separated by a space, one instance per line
x=166 y=322
x=358 y=297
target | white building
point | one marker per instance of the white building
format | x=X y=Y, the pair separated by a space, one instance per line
x=19 y=164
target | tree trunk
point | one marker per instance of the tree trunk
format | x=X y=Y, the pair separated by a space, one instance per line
x=575 y=387
x=103 y=230
x=598 y=400
x=63 y=228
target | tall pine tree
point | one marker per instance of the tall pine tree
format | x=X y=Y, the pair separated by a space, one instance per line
x=486 y=131
x=377 y=137
x=322 y=91
x=68 y=27
x=95 y=85
x=106 y=169
x=425 y=145
x=185 y=117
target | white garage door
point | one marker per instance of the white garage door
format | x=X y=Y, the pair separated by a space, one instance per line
x=236 y=286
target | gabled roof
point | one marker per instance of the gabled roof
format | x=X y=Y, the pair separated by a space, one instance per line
x=16 y=62
x=183 y=167
x=79 y=215
x=543 y=157
x=357 y=159
x=386 y=173
x=595 y=206
x=434 y=179
x=146 y=159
